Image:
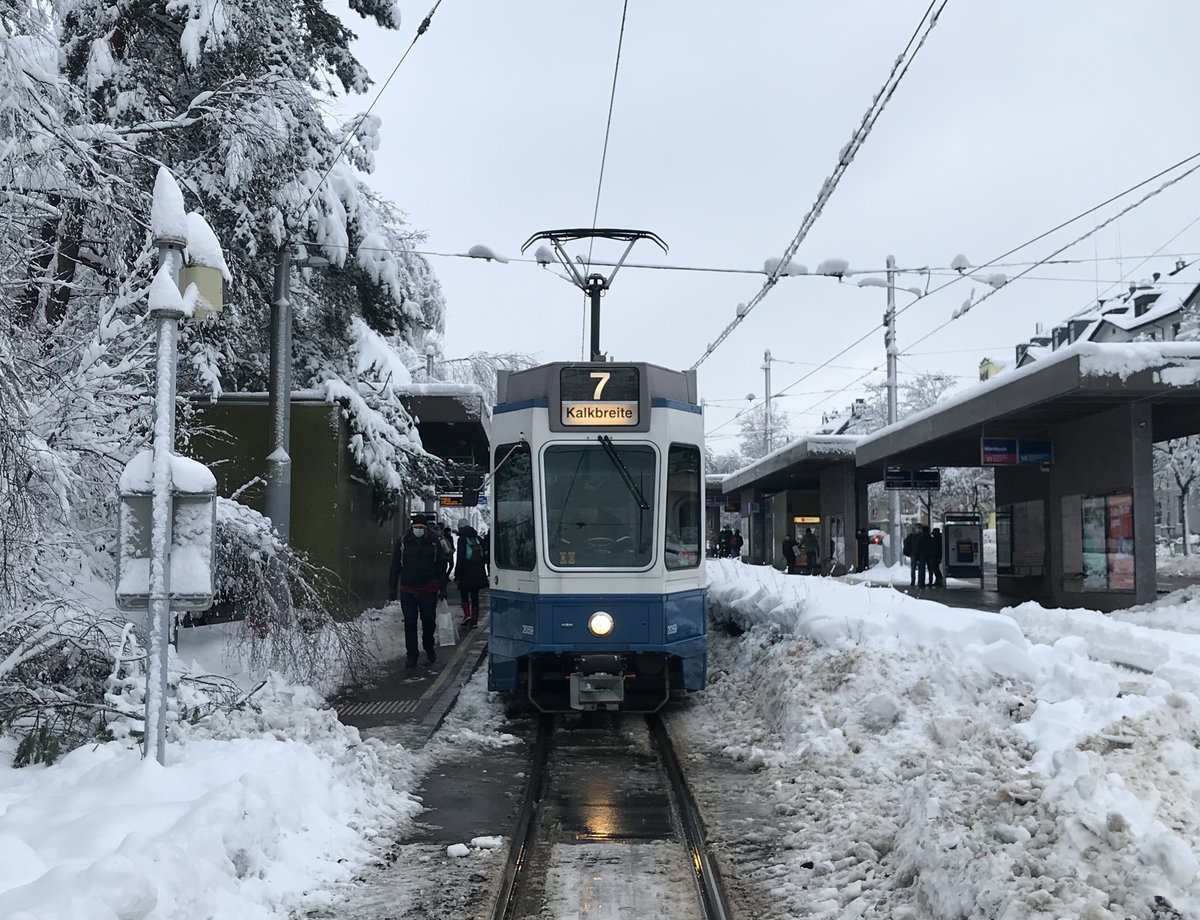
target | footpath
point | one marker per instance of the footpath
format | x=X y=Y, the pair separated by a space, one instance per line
x=418 y=698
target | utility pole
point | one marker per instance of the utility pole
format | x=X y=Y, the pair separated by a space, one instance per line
x=889 y=337
x=279 y=400
x=167 y=311
x=767 y=405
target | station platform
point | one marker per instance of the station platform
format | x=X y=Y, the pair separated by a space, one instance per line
x=418 y=698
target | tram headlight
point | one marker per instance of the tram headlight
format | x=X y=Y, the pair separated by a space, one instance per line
x=600 y=623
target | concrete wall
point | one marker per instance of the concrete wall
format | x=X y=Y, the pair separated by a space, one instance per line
x=1094 y=455
x=333 y=515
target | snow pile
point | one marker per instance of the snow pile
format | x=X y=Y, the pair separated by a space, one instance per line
x=836 y=267
x=898 y=758
x=785 y=270
x=256 y=808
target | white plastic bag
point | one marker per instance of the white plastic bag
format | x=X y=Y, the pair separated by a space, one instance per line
x=446 y=631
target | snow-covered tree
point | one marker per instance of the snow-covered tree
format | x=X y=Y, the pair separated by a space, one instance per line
x=752 y=442
x=1177 y=469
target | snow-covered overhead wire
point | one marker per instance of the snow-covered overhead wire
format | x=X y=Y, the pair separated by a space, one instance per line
x=421 y=30
x=845 y=158
x=997 y=261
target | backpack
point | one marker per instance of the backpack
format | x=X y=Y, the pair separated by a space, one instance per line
x=469 y=551
x=907 y=547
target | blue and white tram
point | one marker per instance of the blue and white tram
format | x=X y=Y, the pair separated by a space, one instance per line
x=597 y=595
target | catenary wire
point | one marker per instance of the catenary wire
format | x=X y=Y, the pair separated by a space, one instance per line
x=421 y=30
x=845 y=158
x=991 y=263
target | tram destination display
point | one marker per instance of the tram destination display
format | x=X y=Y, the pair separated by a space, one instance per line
x=592 y=397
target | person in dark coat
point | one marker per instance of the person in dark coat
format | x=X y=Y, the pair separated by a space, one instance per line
x=921 y=551
x=933 y=559
x=909 y=548
x=862 y=540
x=789 y=554
x=735 y=545
x=470 y=571
x=724 y=543
x=418 y=574
x=809 y=547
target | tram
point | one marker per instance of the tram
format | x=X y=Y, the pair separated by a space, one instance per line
x=597 y=541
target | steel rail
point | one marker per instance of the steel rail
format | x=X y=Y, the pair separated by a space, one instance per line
x=522 y=842
x=704 y=871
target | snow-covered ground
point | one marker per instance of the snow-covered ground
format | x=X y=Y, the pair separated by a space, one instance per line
x=859 y=753
x=904 y=759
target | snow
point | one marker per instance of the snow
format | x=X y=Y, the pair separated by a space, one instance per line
x=203 y=247
x=480 y=251
x=895 y=757
x=168 y=217
x=261 y=809
x=375 y=355
x=858 y=753
x=543 y=255
x=187 y=475
x=791 y=269
x=872 y=281
x=960 y=263
x=835 y=267
x=163 y=295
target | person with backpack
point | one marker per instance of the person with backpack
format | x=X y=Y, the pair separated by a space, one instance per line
x=470 y=571
x=933 y=559
x=789 y=554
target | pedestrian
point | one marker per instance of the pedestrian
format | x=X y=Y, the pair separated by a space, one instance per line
x=921 y=551
x=724 y=543
x=418 y=573
x=447 y=541
x=909 y=548
x=737 y=544
x=862 y=540
x=809 y=547
x=470 y=571
x=789 y=554
x=934 y=559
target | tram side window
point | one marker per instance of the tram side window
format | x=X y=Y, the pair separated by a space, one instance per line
x=512 y=485
x=684 y=516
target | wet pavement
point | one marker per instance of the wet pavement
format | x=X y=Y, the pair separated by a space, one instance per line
x=417 y=699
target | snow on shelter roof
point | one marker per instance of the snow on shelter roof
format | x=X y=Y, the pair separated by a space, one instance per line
x=821 y=448
x=1090 y=367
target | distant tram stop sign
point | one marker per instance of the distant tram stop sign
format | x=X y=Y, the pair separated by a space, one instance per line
x=193 y=534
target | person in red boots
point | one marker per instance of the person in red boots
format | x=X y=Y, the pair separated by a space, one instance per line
x=470 y=571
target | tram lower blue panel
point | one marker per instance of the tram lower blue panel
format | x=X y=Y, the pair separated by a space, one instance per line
x=526 y=624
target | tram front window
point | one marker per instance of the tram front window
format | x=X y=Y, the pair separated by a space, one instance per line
x=600 y=505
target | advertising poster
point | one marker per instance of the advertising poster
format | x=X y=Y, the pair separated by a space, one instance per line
x=1094 y=519
x=1120 y=542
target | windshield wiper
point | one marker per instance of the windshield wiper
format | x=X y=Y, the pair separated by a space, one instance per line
x=607 y=443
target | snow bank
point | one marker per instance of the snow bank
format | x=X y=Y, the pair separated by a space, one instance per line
x=255 y=809
x=909 y=760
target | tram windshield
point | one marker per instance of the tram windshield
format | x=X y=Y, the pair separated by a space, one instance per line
x=600 y=505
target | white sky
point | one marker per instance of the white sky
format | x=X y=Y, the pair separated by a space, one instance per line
x=729 y=117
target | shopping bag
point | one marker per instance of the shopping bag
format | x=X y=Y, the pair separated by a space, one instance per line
x=445 y=631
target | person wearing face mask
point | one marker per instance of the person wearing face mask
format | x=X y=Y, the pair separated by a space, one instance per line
x=418 y=573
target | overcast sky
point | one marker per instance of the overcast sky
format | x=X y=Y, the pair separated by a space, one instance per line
x=729 y=116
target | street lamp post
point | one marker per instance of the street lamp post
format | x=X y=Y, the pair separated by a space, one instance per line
x=279 y=393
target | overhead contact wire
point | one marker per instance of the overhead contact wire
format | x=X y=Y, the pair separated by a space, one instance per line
x=845 y=158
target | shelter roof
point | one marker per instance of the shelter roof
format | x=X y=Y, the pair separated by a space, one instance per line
x=796 y=465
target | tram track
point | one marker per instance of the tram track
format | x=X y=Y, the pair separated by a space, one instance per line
x=604 y=791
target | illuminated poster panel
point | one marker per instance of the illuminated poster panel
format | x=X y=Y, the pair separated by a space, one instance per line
x=1120 y=542
x=1094 y=519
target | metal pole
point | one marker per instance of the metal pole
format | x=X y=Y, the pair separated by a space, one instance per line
x=895 y=540
x=279 y=401
x=595 y=286
x=155 y=739
x=767 y=409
